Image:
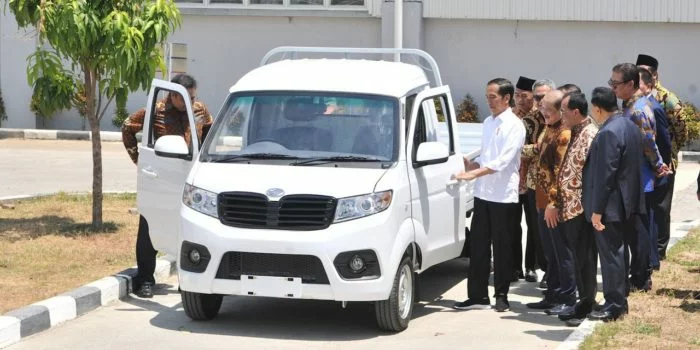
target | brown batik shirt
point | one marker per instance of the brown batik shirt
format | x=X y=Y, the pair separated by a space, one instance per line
x=534 y=124
x=168 y=120
x=570 y=178
x=552 y=147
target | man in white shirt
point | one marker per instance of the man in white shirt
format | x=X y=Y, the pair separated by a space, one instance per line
x=496 y=199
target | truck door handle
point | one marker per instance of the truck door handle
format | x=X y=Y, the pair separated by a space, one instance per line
x=452 y=182
x=149 y=172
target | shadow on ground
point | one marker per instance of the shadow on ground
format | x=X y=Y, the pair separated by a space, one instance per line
x=30 y=228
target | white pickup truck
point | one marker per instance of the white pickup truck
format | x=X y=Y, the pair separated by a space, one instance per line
x=320 y=179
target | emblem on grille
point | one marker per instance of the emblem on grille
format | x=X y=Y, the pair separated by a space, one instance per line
x=275 y=192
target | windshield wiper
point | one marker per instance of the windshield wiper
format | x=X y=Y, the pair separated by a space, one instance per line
x=324 y=160
x=251 y=156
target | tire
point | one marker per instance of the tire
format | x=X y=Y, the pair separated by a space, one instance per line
x=394 y=313
x=200 y=307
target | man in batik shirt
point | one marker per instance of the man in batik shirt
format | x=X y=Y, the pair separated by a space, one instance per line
x=625 y=83
x=170 y=118
x=579 y=256
x=679 y=136
x=552 y=146
x=526 y=110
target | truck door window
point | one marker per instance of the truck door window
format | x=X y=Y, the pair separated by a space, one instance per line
x=443 y=122
x=166 y=119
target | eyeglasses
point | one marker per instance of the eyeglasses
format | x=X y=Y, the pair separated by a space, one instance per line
x=615 y=83
x=538 y=98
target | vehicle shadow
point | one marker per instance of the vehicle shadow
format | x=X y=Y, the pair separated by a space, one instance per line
x=302 y=319
x=313 y=320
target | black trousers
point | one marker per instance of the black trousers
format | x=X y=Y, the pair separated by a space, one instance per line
x=580 y=260
x=493 y=223
x=145 y=255
x=640 y=251
x=534 y=257
x=613 y=262
x=663 y=196
x=551 y=244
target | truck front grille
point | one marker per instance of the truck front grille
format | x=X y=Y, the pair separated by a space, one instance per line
x=293 y=212
x=308 y=267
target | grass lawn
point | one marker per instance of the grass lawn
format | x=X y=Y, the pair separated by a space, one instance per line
x=668 y=317
x=48 y=248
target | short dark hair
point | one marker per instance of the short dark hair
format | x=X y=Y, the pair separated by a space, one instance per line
x=646 y=76
x=604 y=97
x=186 y=80
x=629 y=72
x=569 y=88
x=577 y=100
x=505 y=87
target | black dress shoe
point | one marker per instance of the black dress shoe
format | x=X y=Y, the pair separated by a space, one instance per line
x=607 y=315
x=531 y=276
x=579 y=311
x=558 y=309
x=145 y=290
x=543 y=304
x=517 y=275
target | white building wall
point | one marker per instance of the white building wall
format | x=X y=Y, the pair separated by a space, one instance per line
x=471 y=52
x=679 y=11
x=222 y=48
x=15 y=46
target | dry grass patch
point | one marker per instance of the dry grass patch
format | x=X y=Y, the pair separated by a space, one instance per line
x=668 y=317
x=48 y=247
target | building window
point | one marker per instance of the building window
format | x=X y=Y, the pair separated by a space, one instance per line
x=285 y=3
x=266 y=2
x=306 y=2
x=348 y=2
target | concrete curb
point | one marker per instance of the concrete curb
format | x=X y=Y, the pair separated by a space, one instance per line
x=40 y=134
x=689 y=156
x=43 y=315
x=574 y=340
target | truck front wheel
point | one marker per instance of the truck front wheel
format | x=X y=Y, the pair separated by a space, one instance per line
x=394 y=313
x=200 y=306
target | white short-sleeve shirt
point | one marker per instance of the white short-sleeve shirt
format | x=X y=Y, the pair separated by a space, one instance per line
x=501 y=143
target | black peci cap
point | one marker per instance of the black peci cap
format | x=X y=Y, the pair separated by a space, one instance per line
x=646 y=60
x=525 y=83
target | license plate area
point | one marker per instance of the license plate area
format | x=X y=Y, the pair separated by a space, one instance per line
x=268 y=286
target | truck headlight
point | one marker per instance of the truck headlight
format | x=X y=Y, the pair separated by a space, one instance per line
x=360 y=206
x=200 y=200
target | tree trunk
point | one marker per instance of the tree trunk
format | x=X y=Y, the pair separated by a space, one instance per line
x=91 y=92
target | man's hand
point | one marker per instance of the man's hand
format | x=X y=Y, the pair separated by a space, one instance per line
x=464 y=175
x=664 y=170
x=596 y=220
x=469 y=165
x=551 y=216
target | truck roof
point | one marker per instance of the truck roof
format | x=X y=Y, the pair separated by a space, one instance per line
x=337 y=75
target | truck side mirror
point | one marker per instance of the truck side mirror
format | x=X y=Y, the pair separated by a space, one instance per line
x=172 y=146
x=431 y=153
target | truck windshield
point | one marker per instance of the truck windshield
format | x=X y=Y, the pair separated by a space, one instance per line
x=296 y=126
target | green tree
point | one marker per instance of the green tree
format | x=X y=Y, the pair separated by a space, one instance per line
x=111 y=48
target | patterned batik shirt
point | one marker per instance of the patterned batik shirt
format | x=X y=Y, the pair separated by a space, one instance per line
x=677 y=117
x=552 y=145
x=570 y=179
x=168 y=120
x=640 y=111
x=534 y=124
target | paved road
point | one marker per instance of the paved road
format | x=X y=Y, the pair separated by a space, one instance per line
x=250 y=323
x=46 y=166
